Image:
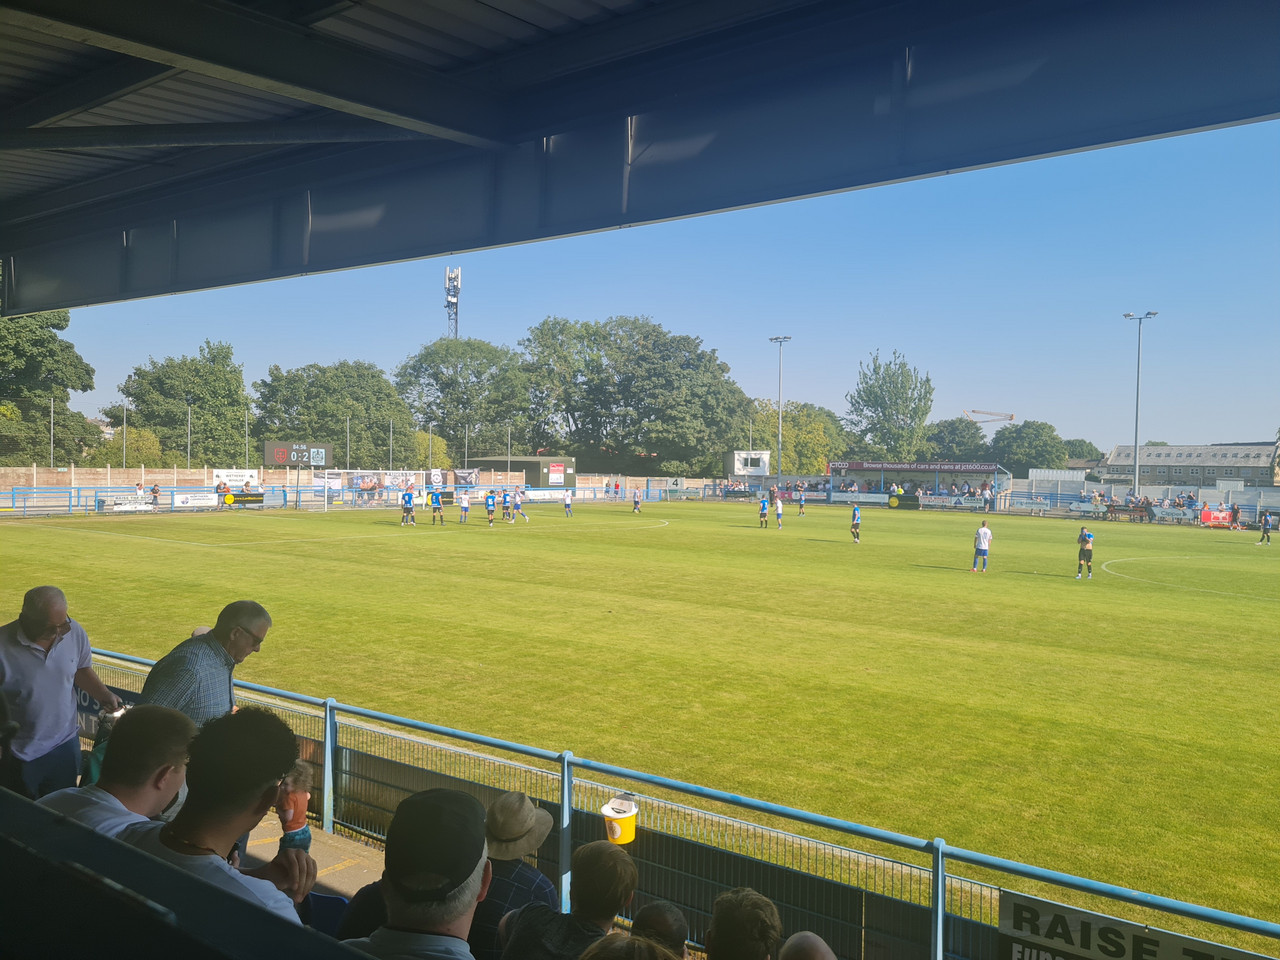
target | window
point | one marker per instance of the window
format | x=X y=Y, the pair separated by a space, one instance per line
x=1179 y=456
x=1162 y=470
x=1246 y=471
x=1146 y=469
x=1177 y=471
x=1228 y=471
x=1235 y=456
x=1210 y=471
x=1194 y=471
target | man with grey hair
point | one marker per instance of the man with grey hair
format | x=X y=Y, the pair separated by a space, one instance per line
x=44 y=655
x=436 y=871
x=195 y=676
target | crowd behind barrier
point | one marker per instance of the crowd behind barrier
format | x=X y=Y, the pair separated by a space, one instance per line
x=693 y=842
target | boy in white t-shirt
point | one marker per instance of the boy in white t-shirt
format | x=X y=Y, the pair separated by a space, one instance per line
x=981 y=546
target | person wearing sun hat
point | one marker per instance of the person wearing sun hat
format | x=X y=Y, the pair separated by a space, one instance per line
x=514 y=828
x=436 y=871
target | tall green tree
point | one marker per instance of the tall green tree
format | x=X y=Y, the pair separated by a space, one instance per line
x=626 y=394
x=142 y=449
x=889 y=409
x=958 y=440
x=1029 y=445
x=472 y=390
x=38 y=366
x=315 y=403
x=209 y=388
x=1082 y=450
x=811 y=435
x=431 y=450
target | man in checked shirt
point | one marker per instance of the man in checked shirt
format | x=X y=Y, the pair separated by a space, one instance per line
x=195 y=676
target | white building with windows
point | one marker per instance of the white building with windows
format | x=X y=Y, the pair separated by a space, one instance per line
x=1194 y=465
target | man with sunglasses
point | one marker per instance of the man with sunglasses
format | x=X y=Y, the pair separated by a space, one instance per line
x=44 y=655
x=195 y=676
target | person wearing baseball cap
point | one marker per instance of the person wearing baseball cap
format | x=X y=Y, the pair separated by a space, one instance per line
x=436 y=871
x=514 y=829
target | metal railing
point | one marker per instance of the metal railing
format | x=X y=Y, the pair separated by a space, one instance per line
x=358 y=796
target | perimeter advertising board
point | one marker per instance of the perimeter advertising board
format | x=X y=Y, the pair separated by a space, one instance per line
x=1034 y=929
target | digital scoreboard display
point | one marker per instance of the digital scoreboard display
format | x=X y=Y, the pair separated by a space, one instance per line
x=277 y=454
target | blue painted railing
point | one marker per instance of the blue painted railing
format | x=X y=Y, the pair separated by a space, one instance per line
x=938 y=849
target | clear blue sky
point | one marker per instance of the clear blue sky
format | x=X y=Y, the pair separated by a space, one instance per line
x=1006 y=285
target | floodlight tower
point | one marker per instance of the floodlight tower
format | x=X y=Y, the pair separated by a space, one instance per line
x=452 y=288
x=1137 y=395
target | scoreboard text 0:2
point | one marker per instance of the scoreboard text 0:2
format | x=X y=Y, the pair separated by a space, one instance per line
x=278 y=454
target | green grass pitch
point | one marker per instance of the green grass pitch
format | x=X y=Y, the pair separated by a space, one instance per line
x=1122 y=728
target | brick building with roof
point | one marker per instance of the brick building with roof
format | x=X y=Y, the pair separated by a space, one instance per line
x=1194 y=465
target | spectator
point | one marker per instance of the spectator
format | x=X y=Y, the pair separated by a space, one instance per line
x=604 y=879
x=143 y=769
x=514 y=828
x=618 y=946
x=806 y=946
x=195 y=676
x=233 y=778
x=291 y=807
x=664 y=924
x=44 y=655
x=436 y=871
x=744 y=926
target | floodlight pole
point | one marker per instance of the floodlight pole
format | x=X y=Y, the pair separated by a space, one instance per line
x=1137 y=396
x=246 y=438
x=391 y=444
x=508 y=450
x=779 y=341
x=189 y=398
x=431 y=429
x=124 y=440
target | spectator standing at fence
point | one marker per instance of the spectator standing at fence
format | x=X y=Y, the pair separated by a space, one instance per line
x=855 y=527
x=986 y=498
x=234 y=773
x=603 y=881
x=291 y=807
x=195 y=676
x=143 y=768
x=664 y=924
x=44 y=656
x=744 y=926
x=1085 y=540
x=764 y=511
x=981 y=546
x=155 y=495
x=436 y=872
x=568 y=503
x=1235 y=516
x=1267 y=523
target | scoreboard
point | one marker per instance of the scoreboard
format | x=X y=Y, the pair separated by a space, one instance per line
x=277 y=454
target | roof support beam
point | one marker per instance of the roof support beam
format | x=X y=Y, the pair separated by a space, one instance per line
x=135 y=136
x=218 y=39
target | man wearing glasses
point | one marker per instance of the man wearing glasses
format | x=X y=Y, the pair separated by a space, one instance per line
x=44 y=655
x=195 y=676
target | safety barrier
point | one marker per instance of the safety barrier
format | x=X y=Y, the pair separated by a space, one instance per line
x=864 y=904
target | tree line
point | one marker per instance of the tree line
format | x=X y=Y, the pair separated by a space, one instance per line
x=622 y=395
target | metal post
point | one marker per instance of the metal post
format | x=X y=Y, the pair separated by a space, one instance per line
x=431 y=429
x=1137 y=396
x=939 y=906
x=508 y=450
x=330 y=746
x=348 y=443
x=51 y=433
x=391 y=444
x=246 y=438
x=466 y=445
x=566 y=827
x=779 y=341
x=188 y=433
x=124 y=440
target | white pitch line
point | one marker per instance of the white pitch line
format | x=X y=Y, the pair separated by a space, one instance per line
x=1177 y=586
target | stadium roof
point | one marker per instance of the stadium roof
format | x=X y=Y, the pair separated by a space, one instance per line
x=155 y=146
x=1258 y=454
